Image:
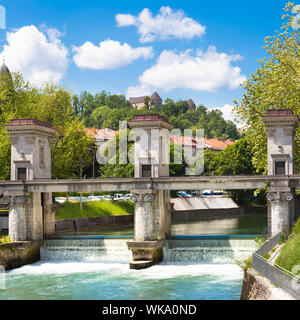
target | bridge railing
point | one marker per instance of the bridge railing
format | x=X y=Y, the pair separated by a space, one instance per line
x=281 y=277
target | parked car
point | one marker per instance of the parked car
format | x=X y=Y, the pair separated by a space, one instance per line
x=73 y=199
x=108 y=197
x=60 y=200
x=183 y=194
x=118 y=196
x=207 y=193
x=127 y=196
x=92 y=198
x=218 y=193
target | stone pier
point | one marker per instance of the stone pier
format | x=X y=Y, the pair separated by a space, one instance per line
x=31 y=216
x=152 y=213
x=280 y=128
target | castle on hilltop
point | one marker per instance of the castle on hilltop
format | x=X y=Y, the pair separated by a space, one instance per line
x=154 y=100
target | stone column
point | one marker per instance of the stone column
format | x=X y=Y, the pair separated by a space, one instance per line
x=49 y=215
x=17 y=217
x=279 y=212
x=147 y=247
x=143 y=216
x=34 y=217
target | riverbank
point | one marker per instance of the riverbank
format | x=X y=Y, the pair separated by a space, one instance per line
x=17 y=254
x=257 y=287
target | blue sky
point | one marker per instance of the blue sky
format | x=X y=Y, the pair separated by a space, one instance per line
x=165 y=51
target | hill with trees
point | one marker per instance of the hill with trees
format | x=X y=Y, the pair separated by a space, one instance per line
x=106 y=110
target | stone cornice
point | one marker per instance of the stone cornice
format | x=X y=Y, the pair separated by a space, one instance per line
x=30 y=129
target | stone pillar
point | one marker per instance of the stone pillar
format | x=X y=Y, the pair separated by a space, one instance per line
x=17 y=217
x=49 y=215
x=152 y=223
x=280 y=129
x=30 y=160
x=144 y=214
x=279 y=212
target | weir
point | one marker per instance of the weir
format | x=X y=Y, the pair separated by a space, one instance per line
x=175 y=250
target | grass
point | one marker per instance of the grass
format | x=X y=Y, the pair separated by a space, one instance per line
x=3 y=238
x=290 y=254
x=267 y=256
x=94 y=209
x=246 y=264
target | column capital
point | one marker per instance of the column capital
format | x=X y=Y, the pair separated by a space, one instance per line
x=149 y=197
x=13 y=200
x=279 y=196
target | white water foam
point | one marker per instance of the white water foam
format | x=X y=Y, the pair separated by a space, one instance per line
x=161 y=271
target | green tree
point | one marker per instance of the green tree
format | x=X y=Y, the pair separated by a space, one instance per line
x=72 y=151
x=275 y=85
x=18 y=99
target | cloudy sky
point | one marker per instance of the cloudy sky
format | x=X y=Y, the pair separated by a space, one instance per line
x=199 y=49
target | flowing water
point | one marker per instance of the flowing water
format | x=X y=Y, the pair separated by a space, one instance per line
x=99 y=269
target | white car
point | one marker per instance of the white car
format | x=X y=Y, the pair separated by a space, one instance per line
x=108 y=198
x=118 y=196
x=127 y=196
x=92 y=198
x=60 y=200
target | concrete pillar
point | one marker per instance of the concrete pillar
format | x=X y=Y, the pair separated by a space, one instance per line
x=280 y=129
x=49 y=215
x=17 y=218
x=152 y=223
x=30 y=160
x=143 y=218
x=279 y=212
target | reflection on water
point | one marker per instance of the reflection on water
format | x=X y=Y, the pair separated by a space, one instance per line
x=244 y=224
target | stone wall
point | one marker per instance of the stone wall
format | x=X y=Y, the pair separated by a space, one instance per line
x=207 y=214
x=256 y=287
x=77 y=224
x=17 y=254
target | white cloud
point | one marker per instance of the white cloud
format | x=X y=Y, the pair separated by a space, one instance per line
x=204 y=71
x=109 y=54
x=228 y=114
x=227 y=111
x=166 y=24
x=40 y=56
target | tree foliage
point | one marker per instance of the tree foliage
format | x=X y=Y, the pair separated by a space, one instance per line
x=106 y=110
x=275 y=85
x=18 y=99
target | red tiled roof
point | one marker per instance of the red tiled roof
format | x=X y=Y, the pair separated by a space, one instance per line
x=103 y=134
x=215 y=144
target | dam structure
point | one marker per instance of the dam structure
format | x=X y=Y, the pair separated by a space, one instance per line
x=32 y=214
